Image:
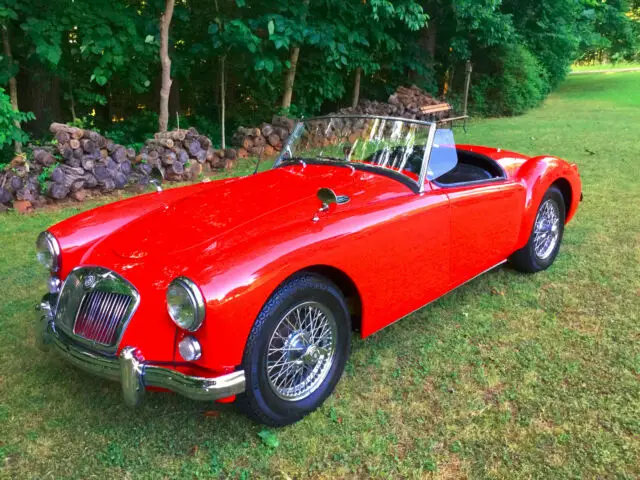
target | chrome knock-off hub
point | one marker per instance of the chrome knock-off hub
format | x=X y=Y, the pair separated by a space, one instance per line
x=301 y=351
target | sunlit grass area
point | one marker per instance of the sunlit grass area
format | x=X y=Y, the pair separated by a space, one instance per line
x=605 y=66
x=510 y=376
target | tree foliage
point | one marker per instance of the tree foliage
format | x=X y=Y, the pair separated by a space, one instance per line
x=9 y=133
x=100 y=57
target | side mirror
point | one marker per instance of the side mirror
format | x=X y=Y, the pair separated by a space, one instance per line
x=156 y=177
x=327 y=197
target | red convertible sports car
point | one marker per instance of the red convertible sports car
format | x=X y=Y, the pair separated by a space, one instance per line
x=249 y=288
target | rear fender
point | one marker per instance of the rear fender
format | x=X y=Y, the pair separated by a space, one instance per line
x=538 y=174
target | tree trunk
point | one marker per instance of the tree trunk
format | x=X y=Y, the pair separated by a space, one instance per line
x=431 y=34
x=13 y=86
x=165 y=89
x=467 y=84
x=174 y=100
x=356 y=88
x=290 y=78
x=73 y=105
x=222 y=102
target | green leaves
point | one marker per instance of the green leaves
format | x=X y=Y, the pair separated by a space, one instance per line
x=49 y=53
x=264 y=63
x=99 y=78
x=7 y=13
x=9 y=133
x=269 y=438
x=232 y=35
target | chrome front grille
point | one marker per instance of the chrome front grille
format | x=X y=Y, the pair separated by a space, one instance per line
x=100 y=314
x=94 y=307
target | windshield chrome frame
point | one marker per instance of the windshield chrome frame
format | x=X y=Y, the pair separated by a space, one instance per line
x=427 y=150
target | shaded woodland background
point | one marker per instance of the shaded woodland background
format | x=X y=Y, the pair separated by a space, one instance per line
x=129 y=68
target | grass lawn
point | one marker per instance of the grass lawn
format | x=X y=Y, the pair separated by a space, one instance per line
x=510 y=376
x=605 y=66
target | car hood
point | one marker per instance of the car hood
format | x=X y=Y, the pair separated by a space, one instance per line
x=222 y=207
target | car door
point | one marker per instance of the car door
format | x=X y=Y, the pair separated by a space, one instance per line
x=485 y=220
x=398 y=254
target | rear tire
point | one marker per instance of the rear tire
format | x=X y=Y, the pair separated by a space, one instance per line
x=296 y=352
x=546 y=236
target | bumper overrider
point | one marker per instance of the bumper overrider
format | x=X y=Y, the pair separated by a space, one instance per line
x=129 y=367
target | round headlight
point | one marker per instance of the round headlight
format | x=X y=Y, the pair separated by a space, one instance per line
x=190 y=349
x=185 y=304
x=48 y=251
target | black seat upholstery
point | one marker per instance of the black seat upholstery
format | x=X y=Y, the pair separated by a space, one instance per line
x=471 y=167
x=465 y=173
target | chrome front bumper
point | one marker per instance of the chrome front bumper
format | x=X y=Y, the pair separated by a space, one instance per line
x=130 y=369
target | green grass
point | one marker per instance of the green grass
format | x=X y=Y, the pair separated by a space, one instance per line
x=605 y=66
x=510 y=376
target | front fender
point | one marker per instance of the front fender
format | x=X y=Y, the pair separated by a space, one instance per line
x=79 y=233
x=538 y=174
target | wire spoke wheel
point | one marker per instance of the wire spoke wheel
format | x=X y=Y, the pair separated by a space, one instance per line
x=301 y=351
x=546 y=230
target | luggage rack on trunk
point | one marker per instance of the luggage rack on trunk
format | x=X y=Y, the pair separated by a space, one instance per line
x=445 y=107
x=436 y=112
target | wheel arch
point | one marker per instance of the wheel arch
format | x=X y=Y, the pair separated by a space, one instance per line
x=564 y=186
x=344 y=282
x=538 y=174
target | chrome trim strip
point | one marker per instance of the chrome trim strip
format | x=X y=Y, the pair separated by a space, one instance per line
x=105 y=281
x=197 y=299
x=55 y=247
x=427 y=157
x=133 y=372
x=381 y=117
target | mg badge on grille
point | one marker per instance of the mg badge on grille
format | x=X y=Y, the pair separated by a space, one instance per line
x=89 y=281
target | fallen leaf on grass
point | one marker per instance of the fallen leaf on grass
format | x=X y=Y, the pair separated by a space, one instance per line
x=212 y=413
x=495 y=291
x=193 y=451
x=269 y=438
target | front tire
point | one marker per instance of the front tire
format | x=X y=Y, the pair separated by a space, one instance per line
x=546 y=236
x=296 y=351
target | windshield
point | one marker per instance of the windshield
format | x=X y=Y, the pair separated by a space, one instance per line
x=392 y=144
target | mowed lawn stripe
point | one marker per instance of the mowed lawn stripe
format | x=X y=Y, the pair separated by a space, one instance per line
x=510 y=376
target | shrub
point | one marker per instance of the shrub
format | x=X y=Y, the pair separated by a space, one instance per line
x=134 y=130
x=518 y=83
x=9 y=132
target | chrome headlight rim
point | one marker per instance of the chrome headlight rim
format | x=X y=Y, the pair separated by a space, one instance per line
x=195 y=298
x=49 y=241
